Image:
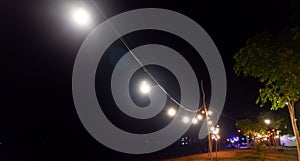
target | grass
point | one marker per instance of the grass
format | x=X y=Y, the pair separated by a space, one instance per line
x=289 y=154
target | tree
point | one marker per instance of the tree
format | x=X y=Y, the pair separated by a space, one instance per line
x=277 y=121
x=275 y=61
x=250 y=128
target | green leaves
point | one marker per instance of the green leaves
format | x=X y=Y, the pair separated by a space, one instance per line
x=275 y=61
x=258 y=126
x=251 y=128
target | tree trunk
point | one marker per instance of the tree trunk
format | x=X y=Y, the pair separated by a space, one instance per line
x=294 y=125
x=206 y=118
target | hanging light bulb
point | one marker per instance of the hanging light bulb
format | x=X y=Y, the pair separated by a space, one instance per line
x=194 y=121
x=144 y=87
x=209 y=112
x=171 y=112
x=199 y=117
x=81 y=16
x=185 y=119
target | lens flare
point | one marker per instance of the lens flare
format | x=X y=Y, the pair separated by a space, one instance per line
x=81 y=16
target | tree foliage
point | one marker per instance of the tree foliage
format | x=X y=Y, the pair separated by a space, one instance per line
x=258 y=126
x=275 y=61
x=251 y=128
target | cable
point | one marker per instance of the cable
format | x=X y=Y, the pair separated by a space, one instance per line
x=141 y=64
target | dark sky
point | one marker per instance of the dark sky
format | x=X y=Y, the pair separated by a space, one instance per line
x=39 y=45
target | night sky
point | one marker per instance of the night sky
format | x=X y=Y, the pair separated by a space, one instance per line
x=39 y=45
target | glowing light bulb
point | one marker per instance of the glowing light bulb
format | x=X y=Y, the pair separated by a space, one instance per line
x=209 y=112
x=185 y=119
x=171 y=112
x=199 y=117
x=144 y=87
x=267 y=121
x=194 y=121
x=81 y=16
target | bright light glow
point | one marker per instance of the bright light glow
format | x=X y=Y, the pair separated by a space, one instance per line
x=216 y=131
x=267 y=121
x=194 y=121
x=81 y=16
x=215 y=137
x=144 y=87
x=185 y=119
x=209 y=122
x=286 y=103
x=203 y=112
x=209 y=112
x=171 y=112
x=199 y=117
x=236 y=139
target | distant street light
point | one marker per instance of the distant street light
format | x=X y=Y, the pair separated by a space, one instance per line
x=212 y=128
x=215 y=131
x=216 y=137
x=267 y=121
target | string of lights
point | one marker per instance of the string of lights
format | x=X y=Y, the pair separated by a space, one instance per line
x=200 y=112
x=143 y=66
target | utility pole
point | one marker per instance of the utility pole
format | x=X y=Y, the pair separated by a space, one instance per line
x=208 y=130
x=216 y=149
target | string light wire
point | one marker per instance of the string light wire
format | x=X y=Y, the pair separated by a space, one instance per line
x=141 y=64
